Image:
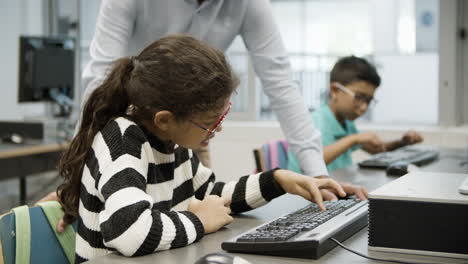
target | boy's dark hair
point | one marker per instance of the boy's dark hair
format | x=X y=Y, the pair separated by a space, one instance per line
x=350 y=69
x=177 y=73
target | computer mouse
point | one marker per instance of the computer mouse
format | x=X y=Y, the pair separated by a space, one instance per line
x=399 y=168
x=13 y=138
x=221 y=258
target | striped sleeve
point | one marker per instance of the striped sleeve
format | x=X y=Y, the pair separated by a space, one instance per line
x=128 y=221
x=248 y=192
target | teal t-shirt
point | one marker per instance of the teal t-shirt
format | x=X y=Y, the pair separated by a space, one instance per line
x=331 y=131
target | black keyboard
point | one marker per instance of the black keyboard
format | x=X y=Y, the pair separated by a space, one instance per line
x=304 y=233
x=410 y=154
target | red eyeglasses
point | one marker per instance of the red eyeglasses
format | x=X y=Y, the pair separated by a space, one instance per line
x=218 y=123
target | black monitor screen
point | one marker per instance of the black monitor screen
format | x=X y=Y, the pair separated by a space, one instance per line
x=45 y=63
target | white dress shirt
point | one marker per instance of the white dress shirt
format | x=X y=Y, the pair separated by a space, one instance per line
x=125 y=27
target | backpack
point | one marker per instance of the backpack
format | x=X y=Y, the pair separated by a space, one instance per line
x=29 y=236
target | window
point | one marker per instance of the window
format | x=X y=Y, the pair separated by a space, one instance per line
x=399 y=36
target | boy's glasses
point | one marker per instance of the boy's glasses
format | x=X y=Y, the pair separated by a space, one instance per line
x=213 y=130
x=358 y=97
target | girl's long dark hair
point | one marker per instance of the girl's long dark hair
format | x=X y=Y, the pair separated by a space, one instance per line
x=177 y=73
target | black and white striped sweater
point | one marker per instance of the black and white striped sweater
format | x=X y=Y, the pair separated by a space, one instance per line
x=135 y=191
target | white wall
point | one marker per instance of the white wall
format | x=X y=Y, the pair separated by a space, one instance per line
x=16 y=18
x=409 y=90
x=231 y=149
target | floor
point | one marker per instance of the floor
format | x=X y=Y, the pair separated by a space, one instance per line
x=37 y=187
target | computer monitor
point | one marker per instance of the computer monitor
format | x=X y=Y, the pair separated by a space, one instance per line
x=46 y=70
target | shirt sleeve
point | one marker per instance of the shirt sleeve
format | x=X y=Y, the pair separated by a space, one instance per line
x=128 y=221
x=114 y=27
x=271 y=63
x=249 y=192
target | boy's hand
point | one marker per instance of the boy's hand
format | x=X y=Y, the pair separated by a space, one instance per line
x=213 y=212
x=370 y=141
x=411 y=137
x=305 y=186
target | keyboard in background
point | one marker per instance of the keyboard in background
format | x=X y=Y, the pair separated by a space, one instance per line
x=304 y=233
x=416 y=155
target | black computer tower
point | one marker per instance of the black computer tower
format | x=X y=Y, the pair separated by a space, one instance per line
x=420 y=213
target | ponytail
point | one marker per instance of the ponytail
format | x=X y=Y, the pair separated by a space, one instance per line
x=176 y=73
x=105 y=103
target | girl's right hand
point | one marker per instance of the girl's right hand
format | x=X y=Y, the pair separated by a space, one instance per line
x=213 y=212
x=305 y=186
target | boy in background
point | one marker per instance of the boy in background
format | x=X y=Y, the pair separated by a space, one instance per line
x=353 y=82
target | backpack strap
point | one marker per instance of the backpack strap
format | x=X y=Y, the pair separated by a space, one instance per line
x=23 y=234
x=1 y=251
x=53 y=211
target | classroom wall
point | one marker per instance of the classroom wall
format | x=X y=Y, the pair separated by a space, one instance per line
x=409 y=90
x=19 y=17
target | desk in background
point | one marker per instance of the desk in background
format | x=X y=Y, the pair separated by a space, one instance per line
x=32 y=157
x=450 y=161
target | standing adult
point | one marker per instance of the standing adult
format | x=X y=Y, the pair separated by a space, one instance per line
x=124 y=27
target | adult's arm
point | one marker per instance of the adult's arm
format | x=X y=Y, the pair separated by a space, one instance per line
x=114 y=27
x=271 y=63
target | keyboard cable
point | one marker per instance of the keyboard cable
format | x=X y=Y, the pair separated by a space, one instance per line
x=378 y=259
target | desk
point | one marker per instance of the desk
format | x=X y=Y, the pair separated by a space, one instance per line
x=21 y=160
x=449 y=161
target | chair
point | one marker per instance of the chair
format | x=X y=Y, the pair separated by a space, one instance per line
x=29 y=236
x=273 y=154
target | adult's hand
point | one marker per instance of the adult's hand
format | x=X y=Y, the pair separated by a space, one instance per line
x=359 y=191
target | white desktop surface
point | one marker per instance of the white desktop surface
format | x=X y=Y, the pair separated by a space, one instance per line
x=424 y=186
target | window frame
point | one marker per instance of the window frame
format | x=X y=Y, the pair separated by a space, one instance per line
x=452 y=90
x=453 y=59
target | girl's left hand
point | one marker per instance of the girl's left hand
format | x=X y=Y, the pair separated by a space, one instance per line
x=307 y=187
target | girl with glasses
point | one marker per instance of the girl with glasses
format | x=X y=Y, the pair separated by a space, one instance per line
x=130 y=176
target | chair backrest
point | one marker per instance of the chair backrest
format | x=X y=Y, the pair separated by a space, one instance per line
x=28 y=235
x=273 y=154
